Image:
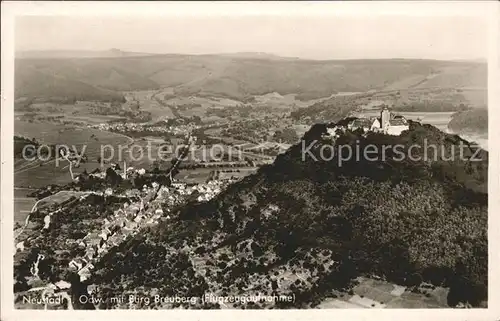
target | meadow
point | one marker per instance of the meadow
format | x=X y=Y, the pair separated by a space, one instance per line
x=149 y=101
x=22 y=204
x=201 y=175
x=373 y=293
x=38 y=173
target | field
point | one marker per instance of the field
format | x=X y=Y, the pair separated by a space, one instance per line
x=48 y=133
x=58 y=198
x=371 y=293
x=242 y=172
x=22 y=204
x=150 y=101
x=196 y=176
x=200 y=175
x=81 y=120
x=39 y=173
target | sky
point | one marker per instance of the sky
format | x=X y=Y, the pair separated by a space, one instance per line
x=318 y=37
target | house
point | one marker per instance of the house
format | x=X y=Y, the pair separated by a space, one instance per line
x=105 y=233
x=131 y=226
x=90 y=253
x=179 y=185
x=93 y=239
x=121 y=221
x=102 y=248
x=77 y=263
x=91 y=289
x=132 y=210
x=114 y=240
x=396 y=127
x=63 y=284
x=20 y=246
x=46 y=220
x=84 y=274
x=375 y=126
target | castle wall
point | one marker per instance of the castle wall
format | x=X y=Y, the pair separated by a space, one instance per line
x=396 y=130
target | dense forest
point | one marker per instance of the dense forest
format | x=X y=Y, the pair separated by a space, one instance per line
x=407 y=221
x=475 y=120
x=332 y=109
x=26 y=147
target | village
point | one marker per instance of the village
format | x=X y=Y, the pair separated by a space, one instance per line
x=147 y=128
x=155 y=204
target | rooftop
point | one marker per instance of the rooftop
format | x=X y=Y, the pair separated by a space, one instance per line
x=397 y=122
x=361 y=122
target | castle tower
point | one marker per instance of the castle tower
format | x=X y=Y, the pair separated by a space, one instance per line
x=385 y=116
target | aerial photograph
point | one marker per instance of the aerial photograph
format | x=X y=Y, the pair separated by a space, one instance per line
x=258 y=162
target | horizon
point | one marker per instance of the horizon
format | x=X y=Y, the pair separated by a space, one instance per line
x=138 y=54
x=310 y=38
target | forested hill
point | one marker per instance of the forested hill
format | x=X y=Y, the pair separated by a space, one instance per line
x=470 y=121
x=33 y=84
x=236 y=76
x=406 y=221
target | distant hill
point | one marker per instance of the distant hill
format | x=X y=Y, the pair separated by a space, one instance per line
x=257 y=55
x=35 y=84
x=470 y=121
x=240 y=76
x=332 y=109
x=44 y=54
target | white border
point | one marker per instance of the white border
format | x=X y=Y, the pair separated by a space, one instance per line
x=490 y=11
x=246 y=8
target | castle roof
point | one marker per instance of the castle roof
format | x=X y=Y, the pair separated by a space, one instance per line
x=362 y=122
x=397 y=122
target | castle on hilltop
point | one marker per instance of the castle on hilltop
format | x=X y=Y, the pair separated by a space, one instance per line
x=388 y=123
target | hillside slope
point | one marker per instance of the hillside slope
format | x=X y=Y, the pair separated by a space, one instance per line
x=470 y=121
x=241 y=76
x=51 y=54
x=36 y=84
x=308 y=228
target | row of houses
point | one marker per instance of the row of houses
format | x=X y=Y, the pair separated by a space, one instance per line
x=181 y=129
x=132 y=217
